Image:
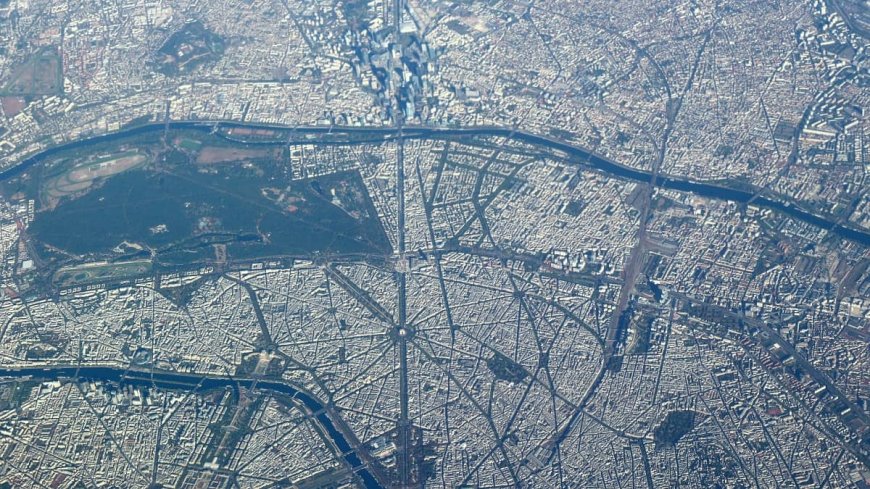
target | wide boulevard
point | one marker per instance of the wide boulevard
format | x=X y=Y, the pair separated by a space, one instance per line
x=352 y=135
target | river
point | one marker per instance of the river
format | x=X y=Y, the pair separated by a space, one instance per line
x=330 y=135
x=187 y=381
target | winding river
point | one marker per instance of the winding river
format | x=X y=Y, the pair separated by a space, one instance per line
x=335 y=428
x=326 y=135
x=187 y=381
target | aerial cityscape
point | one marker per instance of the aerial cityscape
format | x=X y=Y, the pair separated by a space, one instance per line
x=452 y=243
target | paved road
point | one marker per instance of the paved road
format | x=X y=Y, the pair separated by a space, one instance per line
x=332 y=135
x=322 y=413
x=854 y=447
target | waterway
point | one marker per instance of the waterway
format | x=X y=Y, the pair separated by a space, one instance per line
x=332 y=135
x=186 y=381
